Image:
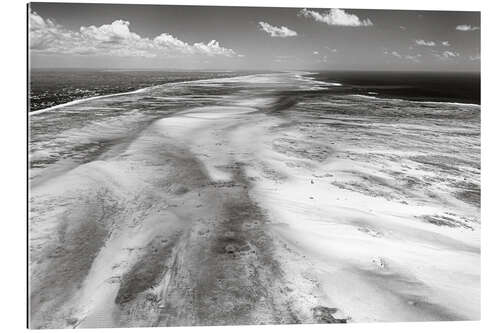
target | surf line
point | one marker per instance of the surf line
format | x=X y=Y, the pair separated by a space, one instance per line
x=77 y=101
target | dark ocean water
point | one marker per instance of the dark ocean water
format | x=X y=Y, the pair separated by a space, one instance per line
x=417 y=86
x=53 y=87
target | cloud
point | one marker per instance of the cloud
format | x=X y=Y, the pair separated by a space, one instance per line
x=475 y=57
x=315 y=52
x=466 y=27
x=213 y=48
x=450 y=54
x=447 y=55
x=424 y=42
x=115 y=32
x=169 y=42
x=115 y=39
x=277 y=31
x=413 y=58
x=337 y=17
x=46 y=34
x=396 y=54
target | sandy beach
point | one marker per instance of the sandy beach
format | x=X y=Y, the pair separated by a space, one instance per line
x=253 y=207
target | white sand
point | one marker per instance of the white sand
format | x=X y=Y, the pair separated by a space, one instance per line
x=375 y=260
x=347 y=208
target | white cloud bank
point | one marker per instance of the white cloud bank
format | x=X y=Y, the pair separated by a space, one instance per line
x=466 y=27
x=337 y=17
x=424 y=42
x=114 y=39
x=277 y=31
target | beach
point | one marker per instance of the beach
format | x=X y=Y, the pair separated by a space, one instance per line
x=255 y=199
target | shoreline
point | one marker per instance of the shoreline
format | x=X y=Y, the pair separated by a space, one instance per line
x=413 y=101
x=77 y=101
x=305 y=76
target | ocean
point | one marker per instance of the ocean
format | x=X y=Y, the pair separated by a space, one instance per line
x=292 y=196
x=461 y=87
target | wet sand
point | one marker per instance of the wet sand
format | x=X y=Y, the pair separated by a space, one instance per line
x=242 y=213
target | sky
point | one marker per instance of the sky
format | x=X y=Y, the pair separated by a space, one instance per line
x=251 y=38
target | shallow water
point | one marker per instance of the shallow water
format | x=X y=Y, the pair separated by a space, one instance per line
x=265 y=198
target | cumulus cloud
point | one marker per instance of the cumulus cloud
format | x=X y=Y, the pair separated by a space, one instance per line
x=277 y=31
x=47 y=35
x=424 y=42
x=445 y=43
x=466 y=27
x=337 y=17
x=169 y=42
x=114 y=39
x=115 y=32
x=475 y=57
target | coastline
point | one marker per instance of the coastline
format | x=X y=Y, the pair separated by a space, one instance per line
x=304 y=76
x=82 y=100
x=78 y=101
